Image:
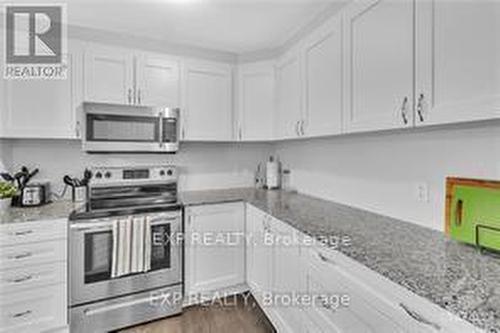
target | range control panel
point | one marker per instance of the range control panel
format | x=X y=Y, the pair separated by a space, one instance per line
x=132 y=175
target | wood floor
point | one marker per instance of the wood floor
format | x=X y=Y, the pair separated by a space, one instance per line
x=231 y=315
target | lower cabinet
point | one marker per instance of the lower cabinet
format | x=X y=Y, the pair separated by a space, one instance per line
x=214 y=257
x=33 y=277
x=305 y=286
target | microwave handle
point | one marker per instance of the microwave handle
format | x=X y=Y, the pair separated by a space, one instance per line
x=160 y=136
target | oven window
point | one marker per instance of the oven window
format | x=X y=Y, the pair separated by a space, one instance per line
x=170 y=130
x=161 y=247
x=98 y=251
x=111 y=128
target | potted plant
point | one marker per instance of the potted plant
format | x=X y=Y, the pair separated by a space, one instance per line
x=7 y=191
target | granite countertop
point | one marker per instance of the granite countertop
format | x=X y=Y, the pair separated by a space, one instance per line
x=52 y=211
x=452 y=275
x=455 y=276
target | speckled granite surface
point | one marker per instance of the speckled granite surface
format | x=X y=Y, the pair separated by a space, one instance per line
x=51 y=211
x=454 y=276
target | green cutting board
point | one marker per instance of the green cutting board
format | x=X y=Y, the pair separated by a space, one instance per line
x=475 y=216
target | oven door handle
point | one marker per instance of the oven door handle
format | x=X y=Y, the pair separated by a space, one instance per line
x=93 y=226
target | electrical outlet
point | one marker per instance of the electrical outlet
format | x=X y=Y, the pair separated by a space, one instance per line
x=422 y=191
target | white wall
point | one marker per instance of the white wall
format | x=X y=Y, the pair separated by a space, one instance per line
x=202 y=166
x=5 y=155
x=379 y=172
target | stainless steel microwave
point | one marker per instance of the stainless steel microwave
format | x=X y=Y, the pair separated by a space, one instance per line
x=112 y=128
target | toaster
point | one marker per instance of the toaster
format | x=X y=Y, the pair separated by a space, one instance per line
x=35 y=194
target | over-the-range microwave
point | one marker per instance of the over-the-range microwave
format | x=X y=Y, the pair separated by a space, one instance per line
x=112 y=128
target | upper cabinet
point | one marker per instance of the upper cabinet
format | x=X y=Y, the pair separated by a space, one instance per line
x=323 y=85
x=207 y=102
x=121 y=76
x=458 y=63
x=256 y=103
x=289 y=120
x=379 y=65
x=37 y=108
x=158 y=80
x=109 y=75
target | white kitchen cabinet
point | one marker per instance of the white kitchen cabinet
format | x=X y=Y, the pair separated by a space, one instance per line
x=289 y=118
x=33 y=276
x=457 y=67
x=207 y=102
x=323 y=80
x=379 y=65
x=286 y=276
x=44 y=108
x=215 y=247
x=259 y=253
x=109 y=75
x=158 y=80
x=256 y=102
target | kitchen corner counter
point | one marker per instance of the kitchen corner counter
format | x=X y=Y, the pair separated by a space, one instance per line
x=455 y=276
x=52 y=211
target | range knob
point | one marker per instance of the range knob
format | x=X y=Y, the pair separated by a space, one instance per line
x=170 y=172
x=107 y=174
x=98 y=175
x=162 y=172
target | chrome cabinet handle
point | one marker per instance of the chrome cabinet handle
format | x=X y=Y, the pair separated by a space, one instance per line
x=302 y=122
x=240 y=133
x=139 y=96
x=418 y=317
x=129 y=95
x=403 y=111
x=325 y=259
x=21 y=314
x=77 y=129
x=420 y=107
x=22 y=233
x=21 y=256
x=297 y=130
x=21 y=279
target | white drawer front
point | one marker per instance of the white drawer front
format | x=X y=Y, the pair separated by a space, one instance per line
x=21 y=233
x=33 y=254
x=18 y=279
x=34 y=311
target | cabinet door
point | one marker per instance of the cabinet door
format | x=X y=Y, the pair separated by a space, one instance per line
x=289 y=98
x=286 y=277
x=214 y=251
x=260 y=266
x=158 y=82
x=43 y=108
x=208 y=99
x=379 y=57
x=323 y=80
x=458 y=68
x=109 y=75
x=256 y=102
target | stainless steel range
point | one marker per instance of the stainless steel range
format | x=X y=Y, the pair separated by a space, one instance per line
x=126 y=249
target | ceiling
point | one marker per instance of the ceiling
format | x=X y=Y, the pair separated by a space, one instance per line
x=236 y=26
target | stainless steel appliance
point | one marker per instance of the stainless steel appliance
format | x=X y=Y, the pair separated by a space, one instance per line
x=100 y=298
x=126 y=128
x=35 y=194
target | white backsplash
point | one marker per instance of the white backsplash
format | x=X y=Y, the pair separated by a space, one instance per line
x=202 y=165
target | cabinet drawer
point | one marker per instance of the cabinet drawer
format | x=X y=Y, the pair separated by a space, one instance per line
x=21 y=233
x=34 y=311
x=18 y=279
x=32 y=254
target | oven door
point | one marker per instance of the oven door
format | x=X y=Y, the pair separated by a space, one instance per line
x=91 y=246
